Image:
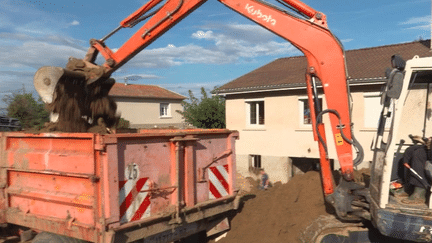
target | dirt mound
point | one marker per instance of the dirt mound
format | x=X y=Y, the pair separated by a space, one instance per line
x=82 y=108
x=280 y=213
x=245 y=185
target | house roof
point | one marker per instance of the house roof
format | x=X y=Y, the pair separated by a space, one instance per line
x=365 y=65
x=143 y=91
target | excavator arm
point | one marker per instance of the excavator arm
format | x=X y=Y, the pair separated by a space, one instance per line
x=305 y=28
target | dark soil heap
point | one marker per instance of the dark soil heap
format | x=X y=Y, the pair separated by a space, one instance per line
x=279 y=214
x=82 y=108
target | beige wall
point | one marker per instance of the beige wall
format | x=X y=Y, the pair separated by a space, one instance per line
x=283 y=136
x=146 y=112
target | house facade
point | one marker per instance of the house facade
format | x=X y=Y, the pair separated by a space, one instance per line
x=269 y=108
x=148 y=106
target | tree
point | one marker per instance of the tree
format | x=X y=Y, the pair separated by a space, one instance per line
x=207 y=112
x=27 y=110
x=123 y=123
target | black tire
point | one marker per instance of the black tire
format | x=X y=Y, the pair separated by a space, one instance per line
x=200 y=237
x=326 y=228
x=45 y=237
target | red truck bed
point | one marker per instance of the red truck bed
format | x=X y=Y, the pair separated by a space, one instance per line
x=156 y=185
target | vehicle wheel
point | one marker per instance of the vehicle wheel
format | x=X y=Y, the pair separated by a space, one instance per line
x=198 y=237
x=45 y=237
x=326 y=228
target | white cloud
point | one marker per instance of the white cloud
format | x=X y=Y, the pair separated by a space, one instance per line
x=135 y=77
x=346 y=40
x=19 y=38
x=420 y=27
x=221 y=45
x=417 y=20
x=417 y=23
x=202 y=35
x=35 y=54
x=208 y=35
x=250 y=33
x=31 y=38
x=19 y=60
x=247 y=32
x=75 y=22
x=32 y=20
x=39 y=39
x=217 y=15
x=173 y=56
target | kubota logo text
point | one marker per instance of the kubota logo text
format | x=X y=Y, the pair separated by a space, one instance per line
x=267 y=18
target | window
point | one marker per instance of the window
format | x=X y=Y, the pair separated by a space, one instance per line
x=305 y=112
x=164 y=110
x=255 y=161
x=256 y=112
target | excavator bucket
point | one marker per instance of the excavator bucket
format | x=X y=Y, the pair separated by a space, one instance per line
x=46 y=80
x=78 y=99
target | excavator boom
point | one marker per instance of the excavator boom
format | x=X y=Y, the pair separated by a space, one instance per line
x=306 y=29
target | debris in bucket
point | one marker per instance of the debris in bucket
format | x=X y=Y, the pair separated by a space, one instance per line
x=82 y=108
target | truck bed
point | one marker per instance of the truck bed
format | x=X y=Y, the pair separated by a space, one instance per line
x=121 y=187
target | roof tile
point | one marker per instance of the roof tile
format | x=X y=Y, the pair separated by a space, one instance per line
x=362 y=64
x=143 y=91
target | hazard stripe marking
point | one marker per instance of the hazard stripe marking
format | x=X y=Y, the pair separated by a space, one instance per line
x=131 y=195
x=219 y=175
x=218 y=185
x=214 y=192
x=143 y=210
x=121 y=184
x=125 y=189
x=134 y=204
x=218 y=181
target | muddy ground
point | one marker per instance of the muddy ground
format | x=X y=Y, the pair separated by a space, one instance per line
x=279 y=214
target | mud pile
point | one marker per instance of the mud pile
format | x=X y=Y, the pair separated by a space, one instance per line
x=82 y=108
x=279 y=214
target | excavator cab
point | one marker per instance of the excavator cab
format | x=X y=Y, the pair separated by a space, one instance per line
x=406 y=112
x=405 y=120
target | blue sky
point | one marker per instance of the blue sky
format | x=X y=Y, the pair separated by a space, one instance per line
x=209 y=48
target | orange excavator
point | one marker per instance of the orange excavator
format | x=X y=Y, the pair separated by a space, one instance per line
x=309 y=33
x=307 y=30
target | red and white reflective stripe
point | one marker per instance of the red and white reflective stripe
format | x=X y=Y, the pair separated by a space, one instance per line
x=218 y=178
x=134 y=204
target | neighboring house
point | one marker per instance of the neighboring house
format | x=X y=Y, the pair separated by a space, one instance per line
x=268 y=106
x=148 y=106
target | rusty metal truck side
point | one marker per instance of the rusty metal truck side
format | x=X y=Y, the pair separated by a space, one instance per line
x=156 y=185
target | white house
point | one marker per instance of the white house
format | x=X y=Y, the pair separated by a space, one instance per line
x=148 y=106
x=268 y=107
